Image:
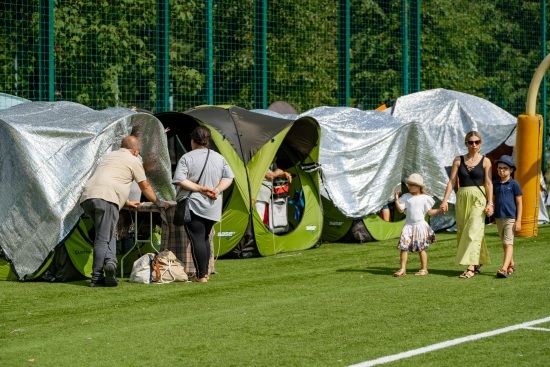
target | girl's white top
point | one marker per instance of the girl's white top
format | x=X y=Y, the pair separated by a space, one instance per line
x=416 y=206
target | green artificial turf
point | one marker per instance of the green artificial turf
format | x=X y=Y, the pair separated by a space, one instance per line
x=335 y=305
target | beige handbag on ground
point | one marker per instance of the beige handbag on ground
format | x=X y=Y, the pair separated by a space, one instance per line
x=170 y=269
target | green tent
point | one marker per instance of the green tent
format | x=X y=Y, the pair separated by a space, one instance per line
x=250 y=141
x=339 y=228
x=7 y=273
x=336 y=225
x=72 y=258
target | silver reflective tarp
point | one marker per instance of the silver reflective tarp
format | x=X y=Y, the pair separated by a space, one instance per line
x=47 y=153
x=449 y=115
x=366 y=155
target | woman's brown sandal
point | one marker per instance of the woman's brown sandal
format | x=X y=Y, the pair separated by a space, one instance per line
x=468 y=273
x=511 y=270
x=477 y=269
x=422 y=272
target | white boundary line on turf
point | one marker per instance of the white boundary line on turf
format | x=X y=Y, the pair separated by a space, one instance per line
x=449 y=343
x=537 y=328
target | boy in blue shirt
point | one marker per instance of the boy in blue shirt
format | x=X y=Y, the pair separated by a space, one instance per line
x=508 y=210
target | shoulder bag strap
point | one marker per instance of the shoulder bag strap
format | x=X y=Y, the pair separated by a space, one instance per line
x=470 y=174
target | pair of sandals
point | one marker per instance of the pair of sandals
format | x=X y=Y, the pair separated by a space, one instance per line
x=469 y=273
x=402 y=272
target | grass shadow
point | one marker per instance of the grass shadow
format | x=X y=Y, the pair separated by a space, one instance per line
x=372 y=270
x=390 y=271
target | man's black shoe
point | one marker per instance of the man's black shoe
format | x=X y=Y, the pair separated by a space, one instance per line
x=110 y=275
x=98 y=284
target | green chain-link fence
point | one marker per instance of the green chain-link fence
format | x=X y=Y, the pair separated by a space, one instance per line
x=161 y=55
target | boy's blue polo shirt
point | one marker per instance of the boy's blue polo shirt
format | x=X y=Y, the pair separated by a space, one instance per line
x=505 y=198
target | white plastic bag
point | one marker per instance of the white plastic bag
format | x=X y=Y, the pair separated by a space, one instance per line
x=142 y=272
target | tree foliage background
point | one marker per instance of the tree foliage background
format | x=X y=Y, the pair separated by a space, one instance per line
x=105 y=52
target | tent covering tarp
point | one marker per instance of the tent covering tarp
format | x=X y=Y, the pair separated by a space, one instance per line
x=47 y=153
x=449 y=115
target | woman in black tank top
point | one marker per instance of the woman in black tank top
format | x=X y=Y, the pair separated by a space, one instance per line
x=472 y=172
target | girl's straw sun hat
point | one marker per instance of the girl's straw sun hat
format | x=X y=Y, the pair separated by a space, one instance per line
x=415 y=179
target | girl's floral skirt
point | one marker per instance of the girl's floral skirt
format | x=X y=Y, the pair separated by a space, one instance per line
x=416 y=237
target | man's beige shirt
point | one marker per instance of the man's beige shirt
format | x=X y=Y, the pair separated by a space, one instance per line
x=112 y=179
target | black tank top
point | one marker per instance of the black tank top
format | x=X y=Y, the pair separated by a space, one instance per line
x=475 y=177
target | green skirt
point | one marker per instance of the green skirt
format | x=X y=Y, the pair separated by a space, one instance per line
x=470 y=225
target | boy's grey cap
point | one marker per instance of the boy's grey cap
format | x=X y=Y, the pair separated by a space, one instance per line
x=506 y=159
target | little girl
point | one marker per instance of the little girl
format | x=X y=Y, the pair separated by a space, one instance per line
x=417 y=235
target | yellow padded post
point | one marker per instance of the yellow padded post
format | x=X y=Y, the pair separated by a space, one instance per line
x=528 y=155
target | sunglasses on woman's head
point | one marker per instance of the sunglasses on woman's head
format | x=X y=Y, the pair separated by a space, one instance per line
x=472 y=142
